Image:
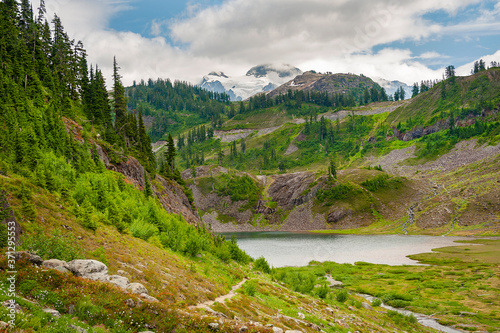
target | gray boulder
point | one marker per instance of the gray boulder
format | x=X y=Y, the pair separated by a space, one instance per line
x=89 y=269
x=120 y=281
x=53 y=312
x=137 y=288
x=214 y=327
x=33 y=258
x=77 y=328
x=366 y=306
x=62 y=269
x=11 y=304
x=148 y=298
x=277 y=330
x=54 y=263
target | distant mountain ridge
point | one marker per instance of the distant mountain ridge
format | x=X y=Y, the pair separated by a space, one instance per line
x=258 y=79
x=329 y=83
x=391 y=86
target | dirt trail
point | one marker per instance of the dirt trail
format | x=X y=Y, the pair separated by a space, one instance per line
x=221 y=299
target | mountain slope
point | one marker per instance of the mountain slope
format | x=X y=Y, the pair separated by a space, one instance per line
x=329 y=83
x=413 y=139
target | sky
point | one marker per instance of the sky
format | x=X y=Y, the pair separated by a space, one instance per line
x=183 y=40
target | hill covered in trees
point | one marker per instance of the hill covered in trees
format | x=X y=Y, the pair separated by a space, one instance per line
x=175 y=107
x=298 y=132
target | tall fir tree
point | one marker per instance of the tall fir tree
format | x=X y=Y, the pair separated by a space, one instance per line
x=119 y=103
x=170 y=153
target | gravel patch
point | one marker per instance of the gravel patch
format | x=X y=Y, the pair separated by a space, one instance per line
x=344 y=113
x=265 y=131
x=464 y=152
x=233 y=135
x=291 y=149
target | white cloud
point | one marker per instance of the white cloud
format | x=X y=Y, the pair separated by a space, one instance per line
x=274 y=29
x=465 y=70
x=326 y=35
x=156 y=27
x=393 y=64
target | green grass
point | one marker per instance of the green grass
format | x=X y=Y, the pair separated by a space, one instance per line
x=462 y=279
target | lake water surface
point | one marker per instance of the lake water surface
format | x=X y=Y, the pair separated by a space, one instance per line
x=298 y=249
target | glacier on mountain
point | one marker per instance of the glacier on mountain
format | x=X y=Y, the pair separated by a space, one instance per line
x=258 y=79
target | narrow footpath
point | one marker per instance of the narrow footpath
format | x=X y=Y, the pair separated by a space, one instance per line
x=221 y=299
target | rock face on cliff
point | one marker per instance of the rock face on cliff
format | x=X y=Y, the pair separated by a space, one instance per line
x=169 y=193
x=443 y=124
x=286 y=202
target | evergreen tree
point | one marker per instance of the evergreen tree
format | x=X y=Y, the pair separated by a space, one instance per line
x=383 y=95
x=170 y=153
x=401 y=93
x=415 y=90
x=243 y=145
x=148 y=192
x=145 y=143
x=396 y=95
x=366 y=97
x=119 y=103
x=220 y=156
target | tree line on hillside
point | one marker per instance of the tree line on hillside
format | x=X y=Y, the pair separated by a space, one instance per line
x=176 y=106
x=425 y=85
x=52 y=110
x=293 y=99
x=44 y=79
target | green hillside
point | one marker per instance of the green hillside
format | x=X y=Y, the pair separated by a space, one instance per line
x=175 y=107
x=79 y=181
x=281 y=139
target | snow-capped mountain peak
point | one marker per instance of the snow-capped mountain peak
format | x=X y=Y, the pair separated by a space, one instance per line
x=283 y=70
x=391 y=86
x=262 y=78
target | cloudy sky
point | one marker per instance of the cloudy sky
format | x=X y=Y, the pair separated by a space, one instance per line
x=186 y=39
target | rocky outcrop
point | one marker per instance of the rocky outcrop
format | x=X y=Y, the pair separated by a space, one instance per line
x=418 y=132
x=443 y=124
x=338 y=214
x=173 y=199
x=287 y=203
x=170 y=194
x=31 y=257
x=98 y=271
x=293 y=189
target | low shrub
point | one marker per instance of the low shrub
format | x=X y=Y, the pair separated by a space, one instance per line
x=53 y=246
x=342 y=296
x=340 y=191
x=262 y=265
